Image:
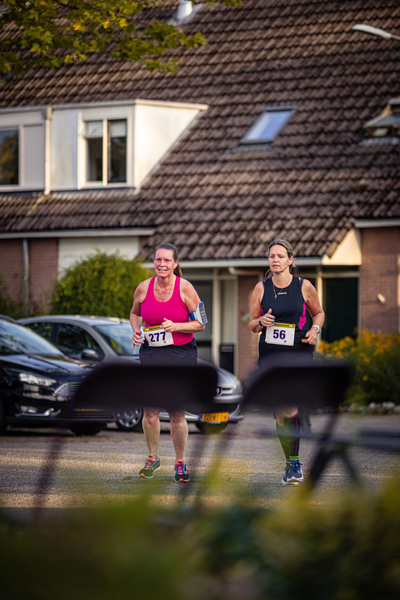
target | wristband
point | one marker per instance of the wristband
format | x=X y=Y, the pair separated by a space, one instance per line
x=317 y=327
x=259 y=321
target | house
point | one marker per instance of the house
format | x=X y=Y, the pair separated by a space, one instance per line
x=285 y=125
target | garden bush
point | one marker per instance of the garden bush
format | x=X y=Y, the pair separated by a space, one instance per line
x=375 y=360
x=343 y=549
x=101 y=284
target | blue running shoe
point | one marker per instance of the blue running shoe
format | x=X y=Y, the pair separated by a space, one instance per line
x=294 y=474
x=285 y=475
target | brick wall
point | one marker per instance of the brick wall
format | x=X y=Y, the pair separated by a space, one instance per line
x=43 y=261
x=12 y=267
x=247 y=343
x=379 y=274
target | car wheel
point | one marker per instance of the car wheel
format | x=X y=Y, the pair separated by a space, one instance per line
x=210 y=429
x=3 y=422
x=130 y=420
x=86 y=429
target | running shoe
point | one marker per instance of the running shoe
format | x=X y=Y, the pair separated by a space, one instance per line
x=151 y=466
x=181 y=474
x=285 y=475
x=294 y=475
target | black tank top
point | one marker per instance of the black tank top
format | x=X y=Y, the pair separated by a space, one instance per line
x=287 y=307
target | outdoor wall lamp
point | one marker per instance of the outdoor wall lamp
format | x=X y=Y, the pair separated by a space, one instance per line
x=375 y=31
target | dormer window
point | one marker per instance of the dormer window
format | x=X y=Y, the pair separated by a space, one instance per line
x=387 y=124
x=106 y=151
x=268 y=125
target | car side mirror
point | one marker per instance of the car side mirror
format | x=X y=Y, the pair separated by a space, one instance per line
x=89 y=354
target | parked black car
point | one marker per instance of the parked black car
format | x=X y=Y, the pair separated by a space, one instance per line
x=106 y=339
x=37 y=383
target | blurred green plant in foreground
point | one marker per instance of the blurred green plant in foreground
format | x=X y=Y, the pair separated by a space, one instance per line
x=346 y=549
x=375 y=359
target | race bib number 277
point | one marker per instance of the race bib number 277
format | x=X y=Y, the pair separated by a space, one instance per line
x=157 y=336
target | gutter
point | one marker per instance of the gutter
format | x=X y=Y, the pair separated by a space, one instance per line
x=86 y=233
x=368 y=223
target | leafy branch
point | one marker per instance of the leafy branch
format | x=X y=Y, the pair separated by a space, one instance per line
x=52 y=33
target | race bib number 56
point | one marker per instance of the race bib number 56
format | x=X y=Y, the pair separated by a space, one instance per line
x=281 y=334
x=157 y=336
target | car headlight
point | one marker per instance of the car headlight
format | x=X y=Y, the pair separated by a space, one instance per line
x=36 y=379
x=237 y=388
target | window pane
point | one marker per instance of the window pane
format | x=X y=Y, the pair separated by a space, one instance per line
x=117 y=151
x=118 y=336
x=117 y=128
x=94 y=159
x=9 y=157
x=267 y=125
x=73 y=340
x=94 y=128
x=43 y=329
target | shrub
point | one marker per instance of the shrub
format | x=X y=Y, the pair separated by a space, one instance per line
x=101 y=284
x=347 y=548
x=375 y=359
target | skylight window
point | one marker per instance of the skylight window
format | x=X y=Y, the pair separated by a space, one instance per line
x=268 y=125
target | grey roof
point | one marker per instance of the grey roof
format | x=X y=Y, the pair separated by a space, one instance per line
x=211 y=197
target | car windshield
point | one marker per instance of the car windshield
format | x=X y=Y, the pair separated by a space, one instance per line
x=16 y=339
x=119 y=337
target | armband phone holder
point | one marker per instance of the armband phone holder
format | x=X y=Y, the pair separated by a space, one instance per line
x=199 y=314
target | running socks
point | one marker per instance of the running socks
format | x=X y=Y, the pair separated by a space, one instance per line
x=289 y=436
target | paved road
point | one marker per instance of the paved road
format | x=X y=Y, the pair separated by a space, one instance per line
x=103 y=469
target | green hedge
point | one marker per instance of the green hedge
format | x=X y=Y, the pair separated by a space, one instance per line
x=346 y=549
x=102 y=284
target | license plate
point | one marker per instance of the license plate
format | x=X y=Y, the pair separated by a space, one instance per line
x=214 y=417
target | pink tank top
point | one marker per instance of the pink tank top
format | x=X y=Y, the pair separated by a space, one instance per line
x=154 y=312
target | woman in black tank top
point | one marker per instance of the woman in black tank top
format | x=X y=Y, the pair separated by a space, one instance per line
x=278 y=312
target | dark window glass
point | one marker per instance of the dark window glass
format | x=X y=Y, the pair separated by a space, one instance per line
x=43 y=329
x=95 y=159
x=94 y=150
x=9 y=157
x=72 y=340
x=117 y=151
x=16 y=339
x=341 y=308
x=119 y=337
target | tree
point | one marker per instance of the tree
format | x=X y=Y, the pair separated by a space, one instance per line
x=51 y=33
x=101 y=284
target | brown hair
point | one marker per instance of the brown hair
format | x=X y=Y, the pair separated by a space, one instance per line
x=173 y=249
x=285 y=244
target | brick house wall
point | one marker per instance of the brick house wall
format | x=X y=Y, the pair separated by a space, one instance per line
x=43 y=266
x=247 y=342
x=379 y=274
x=12 y=267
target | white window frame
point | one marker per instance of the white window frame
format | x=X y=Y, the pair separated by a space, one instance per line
x=20 y=119
x=104 y=114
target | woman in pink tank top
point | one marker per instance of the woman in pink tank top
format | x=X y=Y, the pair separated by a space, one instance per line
x=165 y=302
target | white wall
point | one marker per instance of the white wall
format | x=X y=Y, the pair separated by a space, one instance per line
x=64 y=150
x=72 y=249
x=157 y=127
